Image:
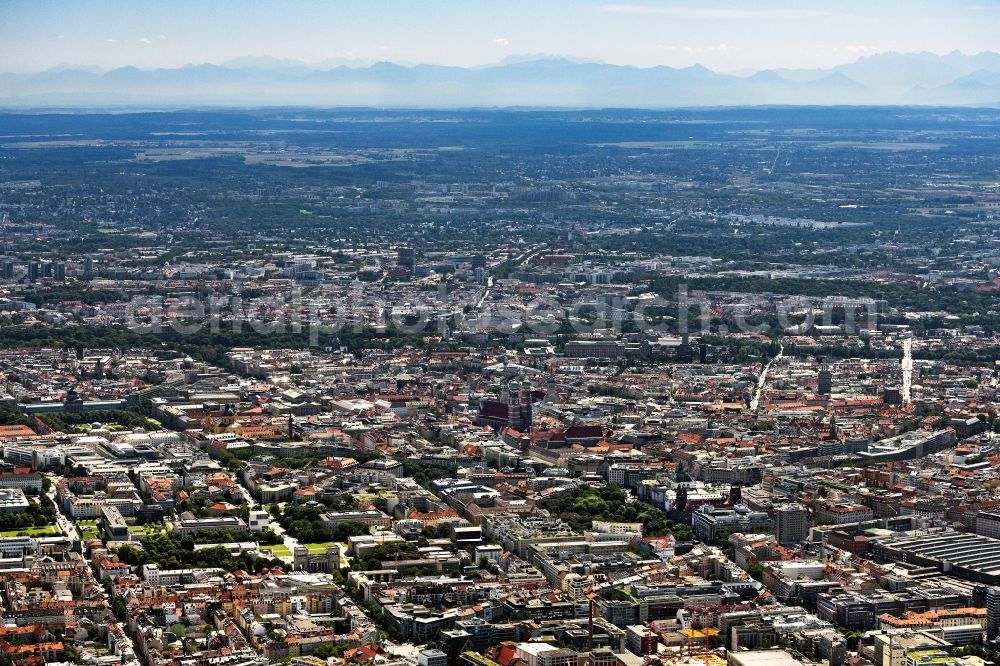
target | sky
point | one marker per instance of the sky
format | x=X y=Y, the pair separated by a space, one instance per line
x=729 y=36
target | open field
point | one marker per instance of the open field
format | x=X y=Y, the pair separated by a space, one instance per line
x=659 y=145
x=48 y=530
x=88 y=529
x=891 y=146
x=316 y=548
x=279 y=550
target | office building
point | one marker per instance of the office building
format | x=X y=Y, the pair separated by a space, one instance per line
x=12 y=500
x=791 y=524
x=709 y=522
x=825 y=382
x=610 y=349
x=432 y=657
x=988 y=524
x=406 y=257
x=992 y=612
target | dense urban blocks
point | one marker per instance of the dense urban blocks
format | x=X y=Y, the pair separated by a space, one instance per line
x=500 y=388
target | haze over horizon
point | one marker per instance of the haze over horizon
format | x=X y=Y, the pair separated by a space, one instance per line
x=266 y=62
x=733 y=37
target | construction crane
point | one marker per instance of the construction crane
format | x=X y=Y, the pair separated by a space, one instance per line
x=706 y=610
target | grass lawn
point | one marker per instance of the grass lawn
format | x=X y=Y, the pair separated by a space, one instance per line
x=278 y=551
x=48 y=530
x=148 y=530
x=88 y=529
x=319 y=548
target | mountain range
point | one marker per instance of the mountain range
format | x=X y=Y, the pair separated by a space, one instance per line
x=535 y=80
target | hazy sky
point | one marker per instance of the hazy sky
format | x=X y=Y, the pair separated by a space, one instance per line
x=734 y=35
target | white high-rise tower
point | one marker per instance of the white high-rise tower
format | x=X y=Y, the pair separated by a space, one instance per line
x=907 y=367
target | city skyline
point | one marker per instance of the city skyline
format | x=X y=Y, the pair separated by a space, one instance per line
x=552 y=333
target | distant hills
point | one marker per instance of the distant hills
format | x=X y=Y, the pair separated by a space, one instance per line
x=533 y=80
